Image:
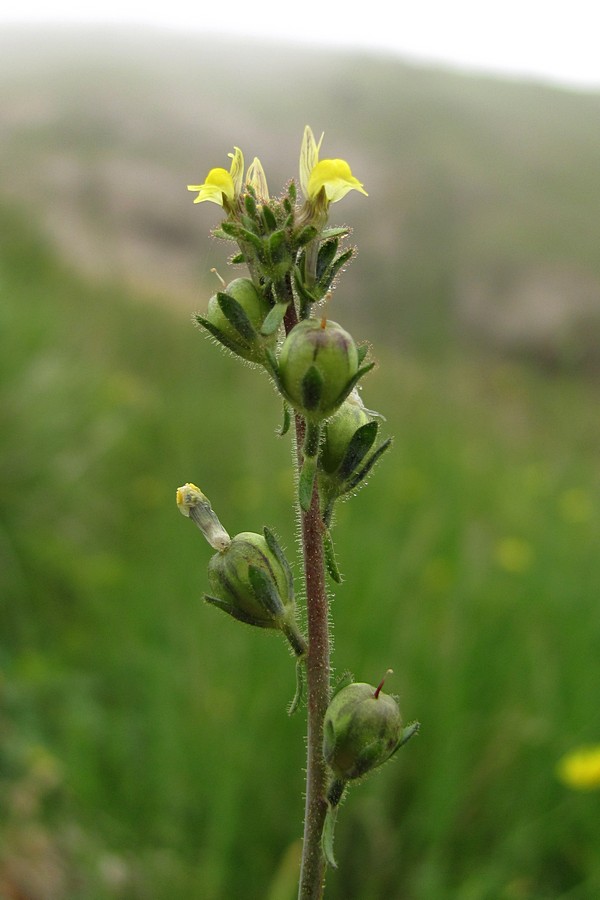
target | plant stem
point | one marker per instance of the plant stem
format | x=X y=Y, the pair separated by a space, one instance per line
x=318 y=689
x=312 y=872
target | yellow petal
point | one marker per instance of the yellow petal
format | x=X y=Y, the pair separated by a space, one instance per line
x=236 y=171
x=309 y=157
x=218 y=183
x=580 y=769
x=257 y=179
x=336 y=177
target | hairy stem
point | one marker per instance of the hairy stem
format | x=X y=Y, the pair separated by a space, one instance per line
x=312 y=873
x=318 y=689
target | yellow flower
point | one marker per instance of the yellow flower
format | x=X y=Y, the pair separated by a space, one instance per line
x=257 y=180
x=580 y=769
x=332 y=175
x=221 y=186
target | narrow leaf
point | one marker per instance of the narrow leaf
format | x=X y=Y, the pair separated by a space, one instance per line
x=265 y=592
x=236 y=613
x=276 y=549
x=306 y=482
x=217 y=333
x=327 y=252
x=328 y=835
x=268 y=218
x=287 y=419
x=346 y=679
x=362 y=350
x=360 y=444
x=368 y=466
x=299 y=695
x=274 y=318
x=236 y=316
x=330 y=560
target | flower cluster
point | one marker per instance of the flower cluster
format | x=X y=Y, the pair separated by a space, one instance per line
x=322 y=181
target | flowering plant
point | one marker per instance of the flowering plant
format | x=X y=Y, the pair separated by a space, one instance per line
x=274 y=319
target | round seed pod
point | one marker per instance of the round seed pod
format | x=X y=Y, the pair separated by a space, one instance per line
x=362 y=729
x=339 y=431
x=249 y=343
x=317 y=365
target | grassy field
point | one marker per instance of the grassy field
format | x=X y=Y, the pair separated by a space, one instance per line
x=145 y=749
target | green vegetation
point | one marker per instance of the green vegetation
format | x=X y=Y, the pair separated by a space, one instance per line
x=128 y=760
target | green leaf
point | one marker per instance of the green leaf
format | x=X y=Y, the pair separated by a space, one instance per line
x=269 y=219
x=287 y=420
x=326 y=256
x=406 y=735
x=335 y=232
x=218 y=334
x=265 y=592
x=250 y=204
x=360 y=444
x=274 y=318
x=368 y=466
x=236 y=316
x=303 y=292
x=306 y=235
x=362 y=350
x=306 y=482
x=330 y=560
x=238 y=259
x=346 y=679
x=299 y=695
x=354 y=381
x=234 y=612
x=328 y=835
x=275 y=548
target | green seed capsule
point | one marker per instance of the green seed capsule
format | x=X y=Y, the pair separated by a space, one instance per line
x=362 y=729
x=317 y=366
x=339 y=431
x=241 y=332
x=233 y=580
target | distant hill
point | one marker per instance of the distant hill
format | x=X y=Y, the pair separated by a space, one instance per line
x=484 y=194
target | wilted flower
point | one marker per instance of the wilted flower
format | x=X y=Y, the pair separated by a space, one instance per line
x=222 y=187
x=192 y=503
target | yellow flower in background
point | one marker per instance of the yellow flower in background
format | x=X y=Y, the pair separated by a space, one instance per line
x=257 y=180
x=580 y=769
x=222 y=187
x=332 y=175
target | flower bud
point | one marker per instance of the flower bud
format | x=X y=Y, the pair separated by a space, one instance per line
x=362 y=729
x=237 y=324
x=251 y=580
x=318 y=367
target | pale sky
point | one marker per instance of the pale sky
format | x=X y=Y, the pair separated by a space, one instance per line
x=556 y=41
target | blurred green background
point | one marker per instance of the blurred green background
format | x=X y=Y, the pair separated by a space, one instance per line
x=145 y=750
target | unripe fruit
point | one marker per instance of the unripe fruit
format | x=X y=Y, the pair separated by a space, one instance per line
x=256 y=308
x=361 y=730
x=317 y=364
x=232 y=581
x=339 y=431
